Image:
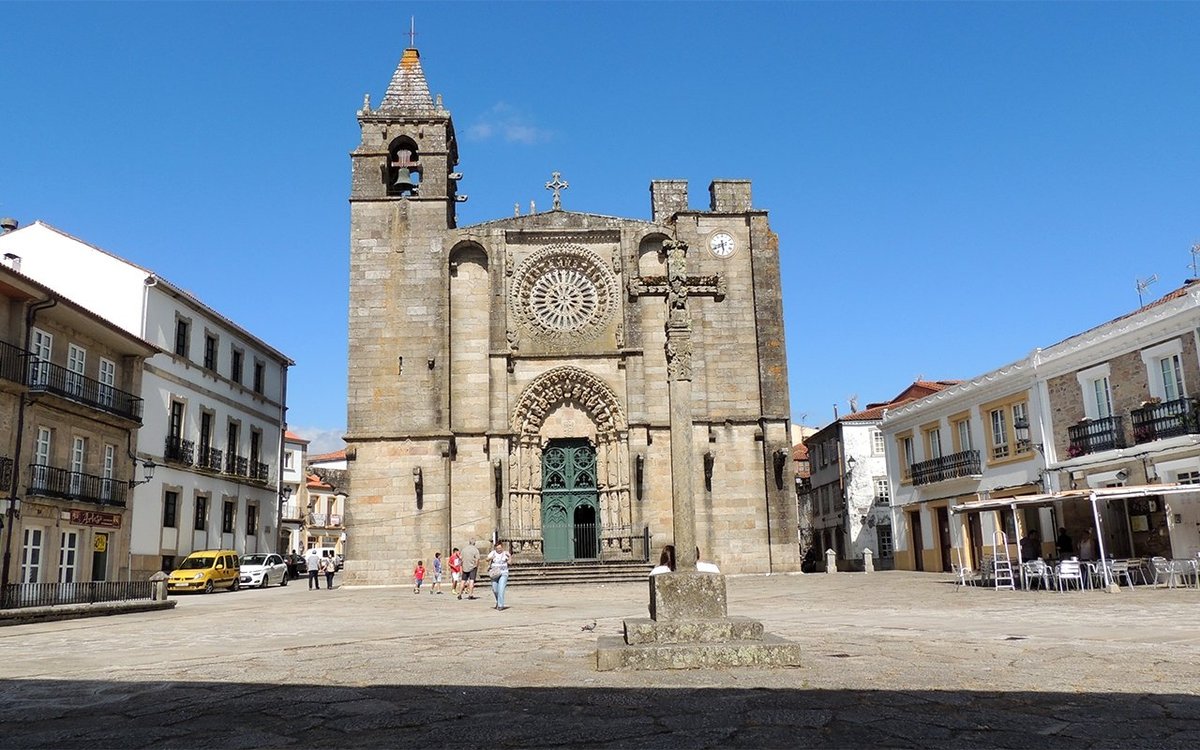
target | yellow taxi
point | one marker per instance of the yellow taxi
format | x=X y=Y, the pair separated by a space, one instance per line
x=206 y=570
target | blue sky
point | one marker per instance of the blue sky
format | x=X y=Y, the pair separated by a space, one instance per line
x=952 y=184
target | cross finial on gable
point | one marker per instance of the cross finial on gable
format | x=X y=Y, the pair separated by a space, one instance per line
x=412 y=32
x=557 y=183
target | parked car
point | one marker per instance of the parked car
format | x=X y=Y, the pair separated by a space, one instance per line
x=206 y=571
x=295 y=565
x=261 y=569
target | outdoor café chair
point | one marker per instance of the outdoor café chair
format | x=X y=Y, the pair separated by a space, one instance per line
x=1067 y=571
x=1119 y=569
x=1035 y=570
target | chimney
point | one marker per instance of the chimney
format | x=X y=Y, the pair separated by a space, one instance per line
x=8 y=224
x=13 y=261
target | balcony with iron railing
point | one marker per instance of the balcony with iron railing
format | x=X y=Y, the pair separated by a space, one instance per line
x=210 y=459
x=1096 y=435
x=20 y=366
x=6 y=473
x=291 y=512
x=317 y=519
x=235 y=465
x=952 y=466
x=12 y=362
x=176 y=450
x=1165 y=420
x=50 y=481
x=259 y=471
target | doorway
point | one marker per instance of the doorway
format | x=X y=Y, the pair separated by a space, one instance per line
x=943 y=532
x=100 y=557
x=570 y=501
x=918 y=544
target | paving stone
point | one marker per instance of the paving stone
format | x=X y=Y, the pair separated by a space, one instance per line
x=933 y=671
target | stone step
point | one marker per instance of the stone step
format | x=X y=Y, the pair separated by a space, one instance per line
x=643 y=630
x=584 y=572
x=613 y=653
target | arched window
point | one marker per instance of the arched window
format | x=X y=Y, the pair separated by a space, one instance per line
x=403 y=168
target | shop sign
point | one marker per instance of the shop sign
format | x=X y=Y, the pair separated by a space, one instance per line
x=96 y=518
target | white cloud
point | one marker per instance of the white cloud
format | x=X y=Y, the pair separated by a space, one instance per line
x=504 y=121
x=321 y=439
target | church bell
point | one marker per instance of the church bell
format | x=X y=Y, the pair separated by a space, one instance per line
x=404 y=181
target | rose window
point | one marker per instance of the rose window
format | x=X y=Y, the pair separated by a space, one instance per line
x=563 y=299
x=563 y=293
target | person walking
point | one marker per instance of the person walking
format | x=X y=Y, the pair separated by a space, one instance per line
x=330 y=569
x=498 y=571
x=312 y=563
x=437 y=574
x=455 y=565
x=470 y=565
x=418 y=576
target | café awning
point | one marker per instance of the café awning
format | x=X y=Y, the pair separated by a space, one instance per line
x=1100 y=493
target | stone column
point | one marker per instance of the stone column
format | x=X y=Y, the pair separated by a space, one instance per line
x=683 y=509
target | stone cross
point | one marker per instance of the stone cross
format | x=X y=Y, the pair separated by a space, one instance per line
x=556 y=184
x=677 y=286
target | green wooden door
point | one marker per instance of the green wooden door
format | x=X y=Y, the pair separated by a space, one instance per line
x=568 y=485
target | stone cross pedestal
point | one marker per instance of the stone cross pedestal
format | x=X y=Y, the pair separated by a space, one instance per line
x=689 y=628
x=689 y=625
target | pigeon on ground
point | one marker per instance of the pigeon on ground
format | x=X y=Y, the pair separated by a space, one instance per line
x=589 y=627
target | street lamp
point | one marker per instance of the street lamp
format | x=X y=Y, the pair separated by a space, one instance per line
x=148 y=467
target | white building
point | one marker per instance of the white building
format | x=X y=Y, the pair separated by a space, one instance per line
x=214 y=402
x=293 y=481
x=1017 y=450
x=327 y=494
x=849 y=489
x=956 y=446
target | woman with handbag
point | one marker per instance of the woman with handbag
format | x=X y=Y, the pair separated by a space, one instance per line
x=498 y=571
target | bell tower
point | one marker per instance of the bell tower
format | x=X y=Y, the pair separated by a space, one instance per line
x=408 y=149
x=402 y=205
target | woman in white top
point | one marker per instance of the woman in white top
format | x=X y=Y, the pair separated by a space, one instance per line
x=498 y=571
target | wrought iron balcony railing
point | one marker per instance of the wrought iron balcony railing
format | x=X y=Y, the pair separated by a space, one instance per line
x=1095 y=435
x=179 y=451
x=210 y=459
x=952 y=466
x=6 y=474
x=12 y=362
x=1166 y=419
x=259 y=471
x=20 y=366
x=317 y=519
x=50 y=481
x=291 y=512
x=235 y=465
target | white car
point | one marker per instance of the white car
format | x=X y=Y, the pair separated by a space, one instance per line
x=263 y=569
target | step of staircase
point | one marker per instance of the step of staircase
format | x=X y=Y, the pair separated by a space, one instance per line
x=544 y=574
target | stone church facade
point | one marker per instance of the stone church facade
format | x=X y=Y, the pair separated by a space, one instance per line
x=509 y=379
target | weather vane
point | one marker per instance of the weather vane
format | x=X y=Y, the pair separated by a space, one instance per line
x=557 y=183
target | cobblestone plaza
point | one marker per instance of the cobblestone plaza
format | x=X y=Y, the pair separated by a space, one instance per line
x=893 y=659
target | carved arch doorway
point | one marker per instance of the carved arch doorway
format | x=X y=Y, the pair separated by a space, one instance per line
x=570 y=500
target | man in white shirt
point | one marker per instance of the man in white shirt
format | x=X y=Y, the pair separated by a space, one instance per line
x=312 y=561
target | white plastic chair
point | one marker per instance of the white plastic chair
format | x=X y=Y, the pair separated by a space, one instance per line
x=1120 y=568
x=1067 y=571
x=1035 y=570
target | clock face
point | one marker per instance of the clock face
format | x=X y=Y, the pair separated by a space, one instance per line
x=721 y=244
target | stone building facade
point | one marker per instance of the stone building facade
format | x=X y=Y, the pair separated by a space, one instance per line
x=68 y=417
x=510 y=379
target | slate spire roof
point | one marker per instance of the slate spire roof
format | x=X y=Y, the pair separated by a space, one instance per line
x=408 y=89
